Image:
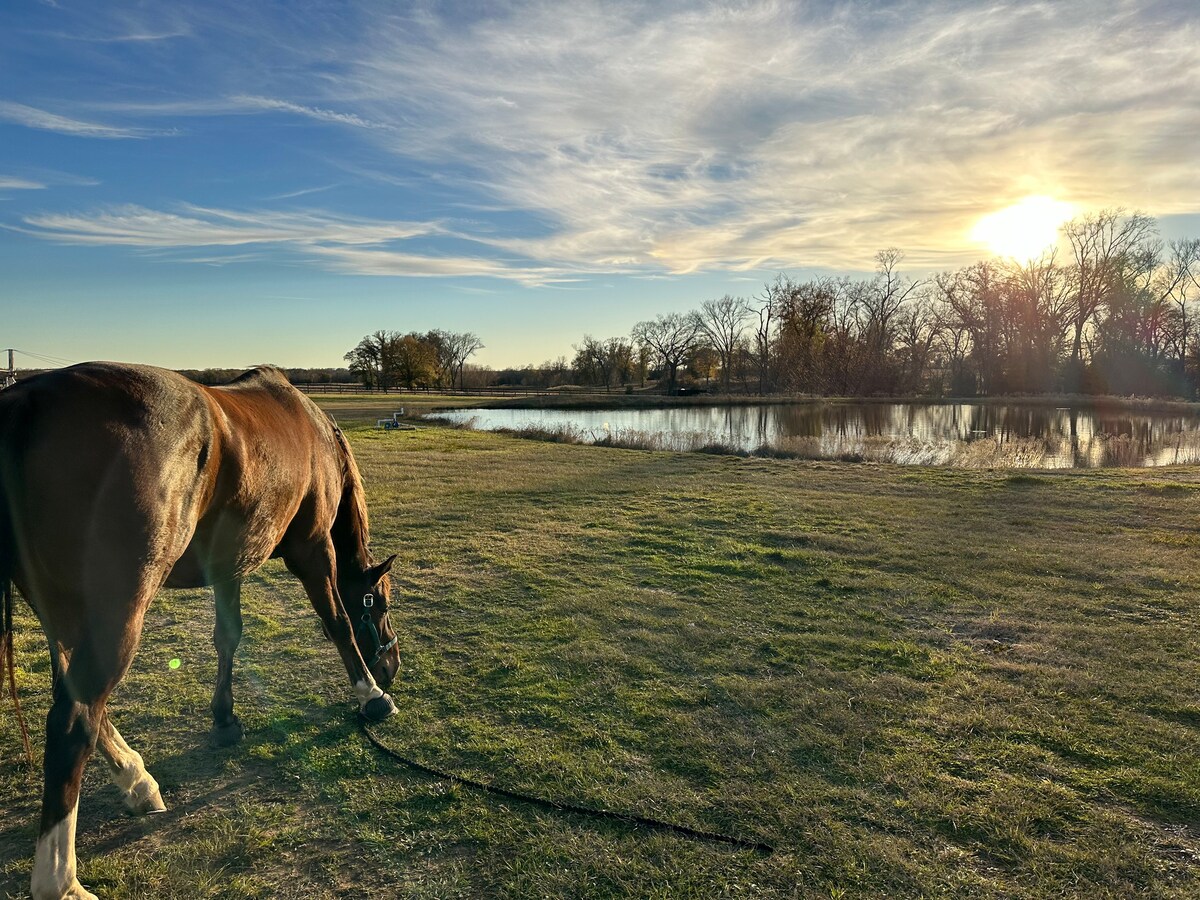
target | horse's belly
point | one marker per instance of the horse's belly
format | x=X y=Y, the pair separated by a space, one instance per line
x=187 y=573
x=226 y=546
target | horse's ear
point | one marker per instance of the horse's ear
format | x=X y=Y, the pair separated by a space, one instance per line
x=375 y=573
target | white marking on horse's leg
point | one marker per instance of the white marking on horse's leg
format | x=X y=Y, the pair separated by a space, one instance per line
x=138 y=787
x=139 y=790
x=54 y=864
x=366 y=691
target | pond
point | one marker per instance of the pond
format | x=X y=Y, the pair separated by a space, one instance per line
x=972 y=435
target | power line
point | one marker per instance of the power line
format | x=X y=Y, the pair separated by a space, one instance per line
x=8 y=377
x=46 y=357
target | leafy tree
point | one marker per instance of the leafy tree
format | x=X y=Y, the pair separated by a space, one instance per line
x=371 y=359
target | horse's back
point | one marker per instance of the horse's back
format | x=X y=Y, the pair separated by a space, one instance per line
x=101 y=475
x=105 y=463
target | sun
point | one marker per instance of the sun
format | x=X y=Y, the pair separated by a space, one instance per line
x=1024 y=230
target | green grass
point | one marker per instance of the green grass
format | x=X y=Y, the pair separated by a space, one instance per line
x=914 y=682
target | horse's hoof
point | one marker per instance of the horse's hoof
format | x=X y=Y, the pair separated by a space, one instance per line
x=228 y=735
x=145 y=799
x=378 y=708
x=74 y=891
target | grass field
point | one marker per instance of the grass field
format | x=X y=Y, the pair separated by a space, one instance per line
x=914 y=682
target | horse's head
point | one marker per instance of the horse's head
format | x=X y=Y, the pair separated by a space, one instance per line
x=366 y=596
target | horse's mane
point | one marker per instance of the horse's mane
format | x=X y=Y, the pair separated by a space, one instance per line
x=351 y=534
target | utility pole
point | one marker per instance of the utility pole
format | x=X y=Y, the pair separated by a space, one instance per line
x=8 y=377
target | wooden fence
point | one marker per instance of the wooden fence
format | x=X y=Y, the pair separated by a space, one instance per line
x=317 y=388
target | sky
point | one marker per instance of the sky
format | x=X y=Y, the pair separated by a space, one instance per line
x=226 y=184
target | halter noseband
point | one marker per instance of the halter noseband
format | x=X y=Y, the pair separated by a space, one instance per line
x=365 y=631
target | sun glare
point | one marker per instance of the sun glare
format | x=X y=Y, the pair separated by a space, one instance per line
x=1025 y=229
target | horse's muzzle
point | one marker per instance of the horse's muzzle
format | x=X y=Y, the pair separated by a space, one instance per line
x=385 y=669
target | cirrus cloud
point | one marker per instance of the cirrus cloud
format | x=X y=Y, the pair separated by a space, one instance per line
x=32 y=117
x=338 y=243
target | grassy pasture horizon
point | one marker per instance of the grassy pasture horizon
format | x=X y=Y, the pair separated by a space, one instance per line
x=914 y=682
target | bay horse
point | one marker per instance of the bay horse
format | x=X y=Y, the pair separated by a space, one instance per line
x=117 y=480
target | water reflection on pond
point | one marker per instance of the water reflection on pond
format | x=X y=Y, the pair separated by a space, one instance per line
x=964 y=434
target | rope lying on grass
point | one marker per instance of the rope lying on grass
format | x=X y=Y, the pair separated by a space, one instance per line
x=557 y=806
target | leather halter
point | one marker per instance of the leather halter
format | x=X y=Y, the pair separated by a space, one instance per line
x=365 y=631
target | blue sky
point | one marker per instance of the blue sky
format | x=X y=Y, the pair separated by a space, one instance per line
x=195 y=184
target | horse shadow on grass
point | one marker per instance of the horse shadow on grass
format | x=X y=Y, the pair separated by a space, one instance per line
x=196 y=777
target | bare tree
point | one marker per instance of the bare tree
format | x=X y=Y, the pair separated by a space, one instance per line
x=954 y=337
x=672 y=338
x=723 y=322
x=918 y=329
x=440 y=342
x=843 y=352
x=1101 y=244
x=1038 y=313
x=803 y=310
x=458 y=349
x=1179 y=276
x=880 y=306
x=764 y=331
x=601 y=362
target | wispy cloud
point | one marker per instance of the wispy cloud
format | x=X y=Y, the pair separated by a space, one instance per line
x=125 y=38
x=31 y=117
x=303 y=192
x=311 y=112
x=372 y=261
x=338 y=243
x=8 y=182
x=195 y=226
x=115 y=23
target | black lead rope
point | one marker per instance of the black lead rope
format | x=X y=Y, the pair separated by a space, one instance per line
x=557 y=806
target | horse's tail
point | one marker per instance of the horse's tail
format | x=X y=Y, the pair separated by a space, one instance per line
x=8 y=565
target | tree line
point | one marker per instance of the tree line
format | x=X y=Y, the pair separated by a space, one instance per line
x=1115 y=312
x=435 y=359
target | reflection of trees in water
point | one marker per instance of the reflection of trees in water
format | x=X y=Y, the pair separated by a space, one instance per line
x=1067 y=437
x=964 y=434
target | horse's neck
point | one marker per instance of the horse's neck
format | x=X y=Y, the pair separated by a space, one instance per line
x=349 y=530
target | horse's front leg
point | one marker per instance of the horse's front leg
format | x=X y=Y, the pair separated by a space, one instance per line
x=227 y=634
x=316 y=568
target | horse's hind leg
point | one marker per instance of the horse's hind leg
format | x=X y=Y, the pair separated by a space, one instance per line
x=139 y=790
x=227 y=634
x=72 y=726
x=93 y=652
